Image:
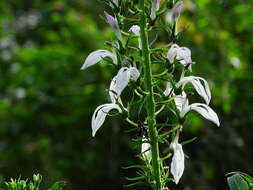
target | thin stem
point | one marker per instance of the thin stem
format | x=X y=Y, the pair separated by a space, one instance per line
x=150 y=106
x=131 y=122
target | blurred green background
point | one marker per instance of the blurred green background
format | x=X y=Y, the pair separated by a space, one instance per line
x=46 y=102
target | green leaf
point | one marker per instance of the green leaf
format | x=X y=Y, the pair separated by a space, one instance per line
x=58 y=186
x=236 y=182
x=136 y=178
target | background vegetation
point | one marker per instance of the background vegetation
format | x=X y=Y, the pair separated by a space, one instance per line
x=46 y=102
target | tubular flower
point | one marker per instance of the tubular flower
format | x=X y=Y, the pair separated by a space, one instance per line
x=97 y=56
x=182 y=54
x=136 y=30
x=118 y=84
x=202 y=90
x=177 y=164
x=121 y=80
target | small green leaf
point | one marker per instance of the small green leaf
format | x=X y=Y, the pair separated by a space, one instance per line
x=236 y=182
x=58 y=186
x=136 y=178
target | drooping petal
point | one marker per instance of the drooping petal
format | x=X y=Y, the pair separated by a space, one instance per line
x=99 y=116
x=146 y=150
x=154 y=8
x=114 y=24
x=202 y=90
x=203 y=110
x=97 y=56
x=177 y=164
x=121 y=80
x=176 y=11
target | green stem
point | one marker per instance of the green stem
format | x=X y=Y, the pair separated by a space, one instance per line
x=150 y=107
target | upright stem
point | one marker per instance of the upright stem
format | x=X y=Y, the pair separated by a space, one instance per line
x=150 y=107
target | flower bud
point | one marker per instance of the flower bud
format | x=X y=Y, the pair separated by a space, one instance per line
x=176 y=11
x=114 y=24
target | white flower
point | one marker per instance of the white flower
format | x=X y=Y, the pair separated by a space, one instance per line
x=202 y=90
x=182 y=54
x=177 y=164
x=99 y=115
x=146 y=150
x=121 y=80
x=97 y=56
x=114 y=24
x=136 y=30
x=154 y=8
x=182 y=104
x=118 y=84
x=203 y=110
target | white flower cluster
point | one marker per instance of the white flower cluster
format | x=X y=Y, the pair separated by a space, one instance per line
x=176 y=54
x=118 y=83
x=183 y=55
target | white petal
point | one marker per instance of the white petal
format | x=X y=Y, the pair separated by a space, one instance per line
x=181 y=101
x=202 y=90
x=154 y=8
x=168 y=90
x=99 y=115
x=146 y=150
x=203 y=110
x=134 y=73
x=135 y=29
x=121 y=80
x=182 y=54
x=172 y=53
x=97 y=56
x=177 y=164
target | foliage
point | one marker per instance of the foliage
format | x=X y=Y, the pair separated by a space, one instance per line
x=18 y=184
x=240 y=181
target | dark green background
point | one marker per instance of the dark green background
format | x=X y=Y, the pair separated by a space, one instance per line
x=46 y=102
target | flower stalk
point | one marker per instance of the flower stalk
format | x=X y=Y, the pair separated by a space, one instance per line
x=155 y=95
x=150 y=106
